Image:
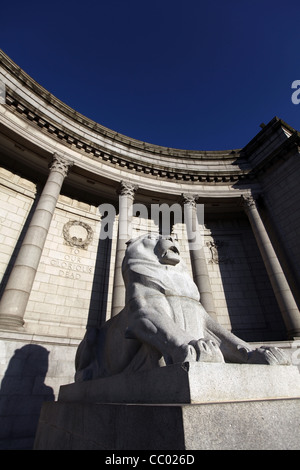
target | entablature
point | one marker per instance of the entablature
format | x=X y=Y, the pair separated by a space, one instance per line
x=98 y=147
x=204 y=167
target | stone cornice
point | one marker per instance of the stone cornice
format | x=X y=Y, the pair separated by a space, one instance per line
x=50 y=100
x=278 y=155
x=41 y=110
x=264 y=135
x=96 y=152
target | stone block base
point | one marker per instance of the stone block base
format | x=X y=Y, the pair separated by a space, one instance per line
x=247 y=425
x=190 y=406
x=193 y=382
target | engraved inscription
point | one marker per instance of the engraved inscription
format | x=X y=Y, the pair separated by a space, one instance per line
x=71 y=266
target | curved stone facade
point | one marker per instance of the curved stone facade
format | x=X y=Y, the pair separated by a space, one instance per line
x=60 y=171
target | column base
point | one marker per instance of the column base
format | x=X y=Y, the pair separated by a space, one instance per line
x=11 y=322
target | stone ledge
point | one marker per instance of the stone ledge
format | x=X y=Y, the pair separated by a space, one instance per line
x=32 y=338
x=189 y=383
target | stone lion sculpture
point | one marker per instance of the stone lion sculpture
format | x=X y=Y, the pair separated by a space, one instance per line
x=163 y=321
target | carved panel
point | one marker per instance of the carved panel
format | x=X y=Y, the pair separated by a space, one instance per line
x=77 y=233
x=219 y=252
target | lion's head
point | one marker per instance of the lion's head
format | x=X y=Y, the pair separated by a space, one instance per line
x=153 y=249
x=154 y=261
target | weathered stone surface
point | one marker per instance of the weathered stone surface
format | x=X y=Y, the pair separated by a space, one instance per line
x=212 y=426
x=189 y=383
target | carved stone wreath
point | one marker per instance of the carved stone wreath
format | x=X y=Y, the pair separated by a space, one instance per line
x=75 y=239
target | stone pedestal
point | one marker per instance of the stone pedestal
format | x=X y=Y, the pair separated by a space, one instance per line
x=185 y=406
x=249 y=425
x=191 y=382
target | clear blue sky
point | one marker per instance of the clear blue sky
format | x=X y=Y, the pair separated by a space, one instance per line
x=187 y=74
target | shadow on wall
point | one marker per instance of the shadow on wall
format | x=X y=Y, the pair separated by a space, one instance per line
x=19 y=244
x=251 y=304
x=22 y=394
x=99 y=295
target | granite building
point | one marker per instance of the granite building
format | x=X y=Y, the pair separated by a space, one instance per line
x=60 y=171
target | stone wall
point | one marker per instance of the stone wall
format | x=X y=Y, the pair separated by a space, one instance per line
x=73 y=287
x=17 y=196
x=67 y=290
x=32 y=368
x=281 y=192
x=243 y=296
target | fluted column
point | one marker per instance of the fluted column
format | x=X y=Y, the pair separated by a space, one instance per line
x=282 y=291
x=198 y=261
x=16 y=294
x=126 y=197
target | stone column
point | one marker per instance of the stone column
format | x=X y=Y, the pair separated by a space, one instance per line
x=126 y=197
x=282 y=291
x=198 y=261
x=16 y=294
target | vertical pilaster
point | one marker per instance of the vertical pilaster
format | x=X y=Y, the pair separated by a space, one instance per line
x=197 y=255
x=16 y=294
x=126 y=197
x=282 y=291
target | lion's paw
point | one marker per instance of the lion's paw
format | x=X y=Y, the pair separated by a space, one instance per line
x=269 y=356
x=198 y=351
x=185 y=353
x=207 y=351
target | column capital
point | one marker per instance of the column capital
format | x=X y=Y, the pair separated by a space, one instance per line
x=189 y=199
x=61 y=164
x=248 y=202
x=127 y=189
